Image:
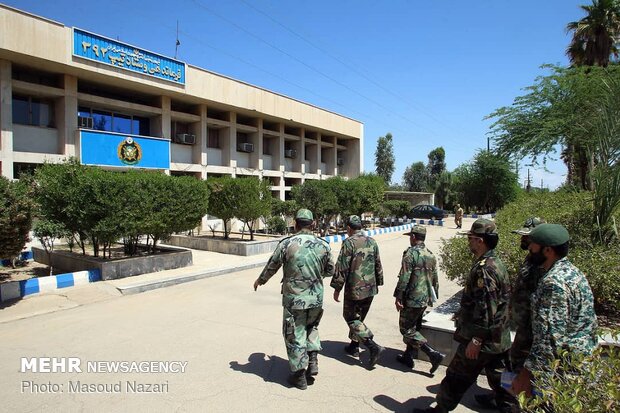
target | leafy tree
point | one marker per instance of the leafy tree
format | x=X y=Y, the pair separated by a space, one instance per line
x=443 y=190
x=223 y=200
x=488 y=182
x=595 y=36
x=254 y=200
x=395 y=208
x=16 y=211
x=320 y=197
x=47 y=232
x=436 y=165
x=384 y=158
x=415 y=178
x=557 y=110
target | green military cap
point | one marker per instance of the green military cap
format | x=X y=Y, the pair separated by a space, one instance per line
x=529 y=225
x=355 y=220
x=481 y=226
x=416 y=229
x=549 y=235
x=304 y=214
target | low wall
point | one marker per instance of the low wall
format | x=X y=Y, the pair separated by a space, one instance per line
x=235 y=247
x=166 y=259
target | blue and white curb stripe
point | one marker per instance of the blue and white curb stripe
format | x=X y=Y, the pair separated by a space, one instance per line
x=24 y=256
x=339 y=238
x=17 y=289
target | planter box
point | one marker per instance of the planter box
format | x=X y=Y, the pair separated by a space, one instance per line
x=111 y=269
x=235 y=247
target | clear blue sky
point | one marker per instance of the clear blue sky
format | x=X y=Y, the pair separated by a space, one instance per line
x=426 y=71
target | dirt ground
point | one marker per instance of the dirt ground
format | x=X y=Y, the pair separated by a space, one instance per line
x=25 y=271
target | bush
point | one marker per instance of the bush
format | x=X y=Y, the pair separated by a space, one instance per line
x=16 y=211
x=596 y=389
x=600 y=264
x=276 y=225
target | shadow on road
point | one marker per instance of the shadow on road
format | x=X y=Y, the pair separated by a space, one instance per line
x=272 y=369
x=398 y=407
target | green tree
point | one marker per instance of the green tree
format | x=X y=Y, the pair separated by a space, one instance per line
x=415 y=178
x=384 y=158
x=254 y=200
x=223 y=200
x=436 y=165
x=16 y=211
x=596 y=35
x=320 y=197
x=443 y=190
x=47 y=232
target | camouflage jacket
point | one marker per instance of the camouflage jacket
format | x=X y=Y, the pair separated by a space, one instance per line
x=358 y=267
x=418 y=274
x=484 y=305
x=563 y=315
x=307 y=260
x=521 y=312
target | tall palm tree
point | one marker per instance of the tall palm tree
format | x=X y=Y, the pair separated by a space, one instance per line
x=595 y=37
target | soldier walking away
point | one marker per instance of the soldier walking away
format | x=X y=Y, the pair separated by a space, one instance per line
x=482 y=321
x=417 y=288
x=563 y=317
x=458 y=216
x=359 y=270
x=306 y=260
x=520 y=314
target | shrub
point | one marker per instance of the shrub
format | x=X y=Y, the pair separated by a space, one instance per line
x=16 y=211
x=276 y=225
x=600 y=264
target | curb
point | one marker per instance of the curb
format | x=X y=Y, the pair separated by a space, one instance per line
x=19 y=289
x=24 y=256
x=339 y=238
x=140 y=287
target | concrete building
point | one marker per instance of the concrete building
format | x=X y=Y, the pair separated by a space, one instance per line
x=67 y=92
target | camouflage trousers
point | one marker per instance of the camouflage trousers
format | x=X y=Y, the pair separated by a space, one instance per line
x=463 y=372
x=354 y=313
x=301 y=335
x=410 y=322
x=520 y=349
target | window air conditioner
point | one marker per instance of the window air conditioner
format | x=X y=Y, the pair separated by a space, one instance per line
x=185 y=139
x=245 y=147
x=85 y=122
x=340 y=161
x=290 y=153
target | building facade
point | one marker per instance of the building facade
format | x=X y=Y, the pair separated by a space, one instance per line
x=66 y=93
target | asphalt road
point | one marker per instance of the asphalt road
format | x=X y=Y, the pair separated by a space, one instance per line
x=228 y=340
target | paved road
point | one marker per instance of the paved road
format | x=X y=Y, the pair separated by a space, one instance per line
x=230 y=338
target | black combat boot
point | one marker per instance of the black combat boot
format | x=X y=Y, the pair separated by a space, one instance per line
x=353 y=348
x=298 y=379
x=407 y=357
x=433 y=355
x=313 y=363
x=375 y=351
x=486 y=400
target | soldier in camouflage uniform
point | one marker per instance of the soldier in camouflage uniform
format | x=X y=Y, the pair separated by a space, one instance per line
x=306 y=260
x=520 y=315
x=563 y=315
x=359 y=270
x=482 y=321
x=458 y=216
x=416 y=289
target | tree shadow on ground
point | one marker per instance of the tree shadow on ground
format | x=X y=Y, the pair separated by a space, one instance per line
x=398 y=407
x=451 y=305
x=468 y=398
x=272 y=369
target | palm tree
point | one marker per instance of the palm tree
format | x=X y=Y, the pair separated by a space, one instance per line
x=595 y=37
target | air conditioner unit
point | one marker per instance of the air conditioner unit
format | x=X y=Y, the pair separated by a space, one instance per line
x=340 y=161
x=245 y=147
x=185 y=138
x=85 y=122
x=290 y=153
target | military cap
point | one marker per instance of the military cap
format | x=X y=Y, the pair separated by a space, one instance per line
x=304 y=214
x=481 y=226
x=529 y=225
x=354 y=221
x=549 y=235
x=416 y=229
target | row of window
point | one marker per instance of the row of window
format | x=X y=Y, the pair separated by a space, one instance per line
x=116 y=122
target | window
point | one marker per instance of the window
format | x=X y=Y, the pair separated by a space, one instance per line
x=116 y=122
x=20 y=168
x=28 y=110
x=213 y=140
x=179 y=127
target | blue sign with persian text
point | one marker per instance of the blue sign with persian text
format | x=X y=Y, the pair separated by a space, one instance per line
x=121 y=150
x=100 y=49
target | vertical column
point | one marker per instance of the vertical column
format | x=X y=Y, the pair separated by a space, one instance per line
x=199 y=150
x=256 y=157
x=230 y=145
x=165 y=126
x=6 y=120
x=66 y=117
